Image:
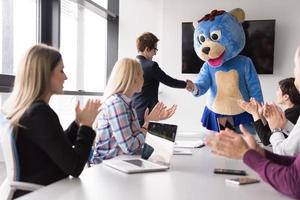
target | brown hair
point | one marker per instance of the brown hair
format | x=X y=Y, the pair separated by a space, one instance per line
x=288 y=87
x=146 y=40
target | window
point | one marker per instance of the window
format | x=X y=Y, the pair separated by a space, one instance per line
x=83 y=46
x=81 y=33
x=102 y=3
x=64 y=105
x=16 y=36
x=24 y=34
x=78 y=27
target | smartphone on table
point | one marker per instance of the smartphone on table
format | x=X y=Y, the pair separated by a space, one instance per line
x=241 y=180
x=230 y=171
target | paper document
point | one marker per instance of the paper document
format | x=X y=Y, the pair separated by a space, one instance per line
x=189 y=144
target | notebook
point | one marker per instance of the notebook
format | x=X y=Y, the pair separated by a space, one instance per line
x=156 y=153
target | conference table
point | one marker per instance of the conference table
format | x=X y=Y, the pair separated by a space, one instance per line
x=189 y=177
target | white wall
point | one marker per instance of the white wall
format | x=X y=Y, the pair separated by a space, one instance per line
x=164 y=18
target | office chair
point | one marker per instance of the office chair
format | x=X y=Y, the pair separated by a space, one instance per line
x=11 y=182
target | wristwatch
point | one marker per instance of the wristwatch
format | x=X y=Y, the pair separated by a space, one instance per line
x=277 y=130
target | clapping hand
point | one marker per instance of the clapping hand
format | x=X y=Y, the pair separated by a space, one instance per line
x=228 y=143
x=87 y=115
x=274 y=115
x=168 y=112
x=232 y=145
x=248 y=138
x=252 y=107
x=159 y=112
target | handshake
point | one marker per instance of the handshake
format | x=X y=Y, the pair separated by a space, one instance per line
x=189 y=86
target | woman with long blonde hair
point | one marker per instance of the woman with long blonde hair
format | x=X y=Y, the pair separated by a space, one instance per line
x=46 y=152
x=118 y=129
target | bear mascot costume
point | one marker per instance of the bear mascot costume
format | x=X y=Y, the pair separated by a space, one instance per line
x=218 y=39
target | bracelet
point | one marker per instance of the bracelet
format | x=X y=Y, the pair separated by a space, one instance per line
x=144 y=128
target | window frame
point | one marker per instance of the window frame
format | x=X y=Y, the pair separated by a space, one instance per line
x=49 y=33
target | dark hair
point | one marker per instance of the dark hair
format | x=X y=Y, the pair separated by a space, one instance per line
x=288 y=87
x=146 y=40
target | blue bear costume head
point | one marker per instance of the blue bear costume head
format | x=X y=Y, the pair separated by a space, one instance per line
x=219 y=36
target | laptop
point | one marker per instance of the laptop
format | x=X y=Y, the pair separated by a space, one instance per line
x=156 y=153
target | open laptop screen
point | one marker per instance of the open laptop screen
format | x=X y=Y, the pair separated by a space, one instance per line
x=159 y=143
x=166 y=131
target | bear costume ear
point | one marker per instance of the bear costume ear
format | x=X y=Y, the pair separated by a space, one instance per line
x=239 y=14
x=195 y=23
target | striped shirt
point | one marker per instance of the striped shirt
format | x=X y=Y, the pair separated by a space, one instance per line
x=118 y=130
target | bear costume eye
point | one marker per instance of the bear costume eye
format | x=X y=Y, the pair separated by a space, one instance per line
x=201 y=38
x=215 y=35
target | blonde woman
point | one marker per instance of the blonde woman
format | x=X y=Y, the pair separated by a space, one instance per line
x=118 y=129
x=47 y=153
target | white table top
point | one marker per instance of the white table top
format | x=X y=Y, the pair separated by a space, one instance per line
x=190 y=177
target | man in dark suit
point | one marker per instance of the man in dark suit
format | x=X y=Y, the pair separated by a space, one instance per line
x=147 y=47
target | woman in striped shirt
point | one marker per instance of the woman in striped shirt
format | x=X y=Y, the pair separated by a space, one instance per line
x=117 y=127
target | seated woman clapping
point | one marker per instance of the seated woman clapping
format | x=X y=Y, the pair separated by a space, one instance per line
x=118 y=129
x=46 y=152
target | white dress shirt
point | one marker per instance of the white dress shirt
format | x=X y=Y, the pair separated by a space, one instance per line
x=287 y=146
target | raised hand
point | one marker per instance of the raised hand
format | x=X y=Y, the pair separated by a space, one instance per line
x=260 y=111
x=274 y=115
x=248 y=137
x=168 y=112
x=251 y=141
x=87 y=115
x=228 y=143
x=251 y=107
x=159 y=112
x=155 y=113
x=189 y=86
x=260 y=107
